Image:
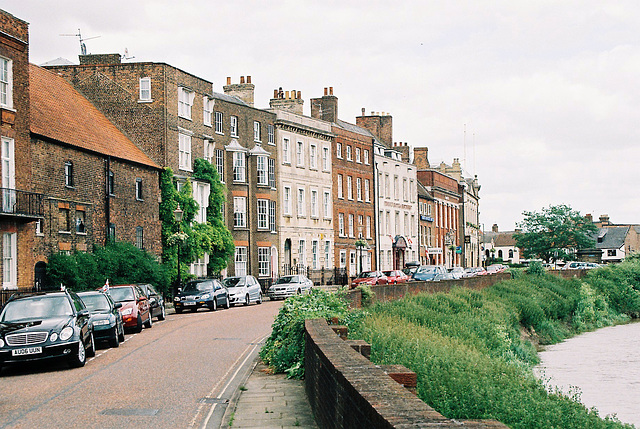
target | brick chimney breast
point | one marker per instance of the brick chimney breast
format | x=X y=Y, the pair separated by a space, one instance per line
x=291 y=102
x=325 y=107
x=244 y=91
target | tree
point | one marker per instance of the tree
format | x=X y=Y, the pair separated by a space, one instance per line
x=554 y=233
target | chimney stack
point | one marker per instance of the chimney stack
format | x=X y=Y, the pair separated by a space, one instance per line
x=380 y=126
x=421 y=158
x=244 y=91
x=289 y=101
x=494 y=228
x=326 y=107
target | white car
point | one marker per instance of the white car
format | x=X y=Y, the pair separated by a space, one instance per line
x=457 y=272
x=243 y=290
x=287 y=286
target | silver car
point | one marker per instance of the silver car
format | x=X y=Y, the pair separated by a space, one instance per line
x=243 y=290
x=287 y=286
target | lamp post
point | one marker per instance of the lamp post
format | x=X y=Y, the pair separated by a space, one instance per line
x=361 y=244
x=177 y=215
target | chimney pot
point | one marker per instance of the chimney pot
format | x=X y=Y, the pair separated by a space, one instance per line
x=325 y=91
x=299 y=95
x=228 y=80
x=286 y=95
x=405 y=143
x=275 y=93
x=363 y=111
x=248 y=79
x=241 y=79
x=372 y=113
x=330 y=90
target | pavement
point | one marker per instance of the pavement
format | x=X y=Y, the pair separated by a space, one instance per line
x=269 y=401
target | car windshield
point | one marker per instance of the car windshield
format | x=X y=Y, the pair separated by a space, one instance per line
x=286 y=279
x=96 y=302
x=120 y=294
x=423 y=270
x=231 y=282
x=368 y=275
x=37 y=307
x=388 y=273
x=197 y=287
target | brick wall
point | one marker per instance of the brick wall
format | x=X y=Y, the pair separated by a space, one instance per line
x=345 y=390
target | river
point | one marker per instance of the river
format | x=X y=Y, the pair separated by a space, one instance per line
x=603 y=365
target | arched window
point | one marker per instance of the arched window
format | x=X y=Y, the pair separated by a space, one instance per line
x=500 y=254
x=510 y=253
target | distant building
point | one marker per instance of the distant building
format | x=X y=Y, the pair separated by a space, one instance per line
x=500 y=245
x=426 y=204
x=615 y=241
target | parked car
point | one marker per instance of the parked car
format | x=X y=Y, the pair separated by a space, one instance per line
x=46 y=325
x=443 y=276
x=395 y=276
x=287 y=286
x=156 y=301
x=572 y=265
x=105 y=317
x=496 y=268
x=473 y=271
x=135 y=306
x=201 y=293
x=243 y=290
x=369 y=278
x=428 y=272
x=410 y=268
x=457 y=272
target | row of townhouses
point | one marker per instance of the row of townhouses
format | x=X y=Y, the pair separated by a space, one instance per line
x=83 y=146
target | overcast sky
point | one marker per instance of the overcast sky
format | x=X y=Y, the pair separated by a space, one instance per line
x=547 y=90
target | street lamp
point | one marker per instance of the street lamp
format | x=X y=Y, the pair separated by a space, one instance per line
x=177 y=215
x=361 y=244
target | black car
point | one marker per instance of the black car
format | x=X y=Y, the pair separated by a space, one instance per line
x=156 y=301
x=201 y=293
x=105 y=317
x=46 y=325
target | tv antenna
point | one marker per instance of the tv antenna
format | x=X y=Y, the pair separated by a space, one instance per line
x=126 y=56
x=83 y=47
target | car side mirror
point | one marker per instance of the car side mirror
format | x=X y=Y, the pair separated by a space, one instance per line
x=83 y=312
x=117 y=305
x=179 y=289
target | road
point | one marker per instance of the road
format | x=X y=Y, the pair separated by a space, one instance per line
x=178 y=374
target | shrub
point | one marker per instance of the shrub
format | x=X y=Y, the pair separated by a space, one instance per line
x=368 y=295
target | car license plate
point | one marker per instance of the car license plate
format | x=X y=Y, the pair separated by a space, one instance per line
x=27 y=351
x=189 y=303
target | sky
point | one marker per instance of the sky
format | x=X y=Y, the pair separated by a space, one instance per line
x=539 y=99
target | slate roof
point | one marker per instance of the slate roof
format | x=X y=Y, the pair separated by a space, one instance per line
x=229 y=98
x=612 y=237
x=423 y=192
x=353 y=128
x=500 y=239
x=61 y=113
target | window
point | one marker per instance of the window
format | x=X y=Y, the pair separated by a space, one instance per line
x=9 y=260
x=412 y=191
x=313 y=162
x=366 y=157
x=270 y=134
x=264 y=261
x=327 y=204
x=396 y=193
x=68 y=174
x=234 y=126
x=6 y=83
x=341 y=224
x=381 y=219
x=413 y=225
x=300 y=154
x=256 y=131
x=272 y=216
x=407 y=231
x=80 y=222
x=340 y=191
x=184 y=143
x=368 y=230
x=8 y=174
x=219 y=126
x=201 y=196
x=139 y=237
x=327 y=253
x=239 y=212
x=314 y=203
x=360 y=225
x=261 y=167
x=325 y=158
x=339 y=150
x=286 y=153
x=349 y=188
x=286 y=200
x=511 y=253
x=349 y=153
x=610 y=252
x=359 y=189
x=314 y=254
x=64 y=220
x=238 y=167
x=185 y=101
x=208 y=151
x=199 y=266
x=263 y=214
x=111 y=183
x=380 y=186
x=39 y=227
x=343 y=258
x=358 y=155
x=351 y=225
x=241 y=261
x=367 y=198
x=387 y=193
x=405 y=191
x=145 y=89
x=139 y=189
x=272 y=173
x=207 y=110
x=352 y=263
x=220 y=163
x=301 y=207
x=301 y=252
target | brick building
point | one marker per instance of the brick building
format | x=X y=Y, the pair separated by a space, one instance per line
x=20 y=208
x=353 y=203
x=99 y=186
x=426 y=238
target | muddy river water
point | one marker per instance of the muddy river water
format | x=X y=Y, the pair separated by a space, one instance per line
x=604 y=366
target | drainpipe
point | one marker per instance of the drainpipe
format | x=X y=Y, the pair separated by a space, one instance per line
x=107 y=200
x=376 y=218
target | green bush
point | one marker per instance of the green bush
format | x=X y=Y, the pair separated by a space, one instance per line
x=368 y=295
x=284 y=349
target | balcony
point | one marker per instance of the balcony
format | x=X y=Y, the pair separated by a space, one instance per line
x=24 y=205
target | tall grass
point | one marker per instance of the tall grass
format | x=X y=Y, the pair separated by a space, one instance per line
x=473 y=351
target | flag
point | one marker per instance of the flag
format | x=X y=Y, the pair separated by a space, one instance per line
x=105 y=288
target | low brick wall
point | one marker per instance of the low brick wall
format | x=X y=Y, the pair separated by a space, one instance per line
x=345 y=390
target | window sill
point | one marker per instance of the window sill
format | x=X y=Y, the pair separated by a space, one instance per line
x=145 y=101
x=271 y=143
x=185 y=169
x=81 y=233
x=184 y=117
x=219 y=133
x=64 y=232
x=73 y=188
x=140 y=199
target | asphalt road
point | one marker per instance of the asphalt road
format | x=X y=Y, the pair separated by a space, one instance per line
x=178 y=374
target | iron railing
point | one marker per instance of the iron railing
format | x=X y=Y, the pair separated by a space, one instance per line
x=23 y=203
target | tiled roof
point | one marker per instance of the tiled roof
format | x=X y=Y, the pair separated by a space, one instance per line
x=61 y=113
x=500 y=239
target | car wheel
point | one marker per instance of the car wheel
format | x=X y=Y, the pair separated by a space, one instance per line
x=115 y=341
x=121 y=334
x=259 y=298
x=178 y=310
x=80 y=357
x=91 y=350
x=214 y=306
x=246 y=299
x=139 y=324
x=162 y=314
x=226 y=302
x=149 y=322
